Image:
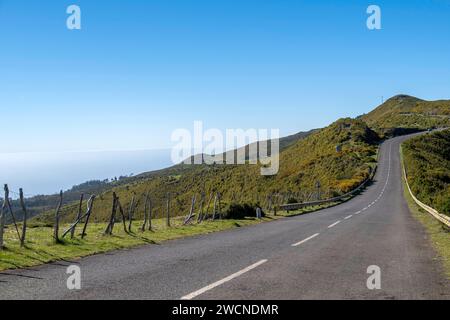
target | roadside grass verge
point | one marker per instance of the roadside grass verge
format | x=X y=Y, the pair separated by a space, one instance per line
x=438 y=233
x=41 y=249
x=439 y=236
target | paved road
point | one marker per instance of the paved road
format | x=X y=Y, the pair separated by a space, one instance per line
x=323 y=255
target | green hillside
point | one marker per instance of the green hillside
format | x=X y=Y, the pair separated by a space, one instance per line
x=427 y=159
x=339 y=157
x=41 y=203
x=408 y=112
x=336 y=158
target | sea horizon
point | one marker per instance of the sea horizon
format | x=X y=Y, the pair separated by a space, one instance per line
x=46 y=173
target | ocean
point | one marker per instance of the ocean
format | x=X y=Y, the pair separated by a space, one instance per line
x=49 y=172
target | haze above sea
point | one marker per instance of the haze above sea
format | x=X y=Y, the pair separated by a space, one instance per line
x=49 y=172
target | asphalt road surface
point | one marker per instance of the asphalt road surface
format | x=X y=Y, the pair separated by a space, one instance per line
x=322 y=255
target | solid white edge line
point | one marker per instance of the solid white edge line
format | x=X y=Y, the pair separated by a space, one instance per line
x=307 y=239
x=224 y=280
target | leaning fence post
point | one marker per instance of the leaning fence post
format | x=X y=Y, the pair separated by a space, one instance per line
x=191 y=212
x=200 y=215
x=124 y=219
x=25 y=216
x=8 y=203
x=58 y=209
x=209 y=205
x=72 y=232
x=113 y=215
x=88 y=215
x=215 y=207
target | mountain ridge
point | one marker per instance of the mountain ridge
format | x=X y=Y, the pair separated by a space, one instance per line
x=296 y=151
x=408 y=112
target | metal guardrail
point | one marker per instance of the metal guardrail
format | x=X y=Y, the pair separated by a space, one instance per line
x=296 y=206
x=442 y=218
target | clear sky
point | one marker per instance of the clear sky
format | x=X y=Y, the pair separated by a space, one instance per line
x=139 y=69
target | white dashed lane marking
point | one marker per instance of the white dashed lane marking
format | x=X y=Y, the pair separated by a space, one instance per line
x=220 y=282
x=307 y=239
x=334 y=224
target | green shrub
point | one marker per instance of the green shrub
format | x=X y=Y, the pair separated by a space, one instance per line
x=241 y=211
x=427 y=160
x=445 y=206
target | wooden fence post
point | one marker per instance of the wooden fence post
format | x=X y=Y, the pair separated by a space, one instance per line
x=209 y=205
x=258 y=212
x=72 y=232
x=145 y=212
x=168 y=210
x=124 y=218
x=215 y=207
x=88 y=215
x=109 y=228
x=58 y=209
x=220 y=205
x=116 y=205
x=131 y=212
x=8 y=203
x=2 y=219
x=200 y=214
x=191 y=212
x=25 y=216
x=150 y=212
x=271 y=204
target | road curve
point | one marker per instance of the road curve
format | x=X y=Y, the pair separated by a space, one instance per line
x=323 y=255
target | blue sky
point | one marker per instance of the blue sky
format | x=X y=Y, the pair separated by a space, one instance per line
x=140 y=69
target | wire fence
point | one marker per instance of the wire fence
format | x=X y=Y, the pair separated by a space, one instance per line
x=195 y=206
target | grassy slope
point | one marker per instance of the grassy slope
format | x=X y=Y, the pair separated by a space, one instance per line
x=301 y=164
x=320 y=161
x=427 y=160
x=40 y=248
x=42 y=203
x=409 y=112
x=439 y=236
